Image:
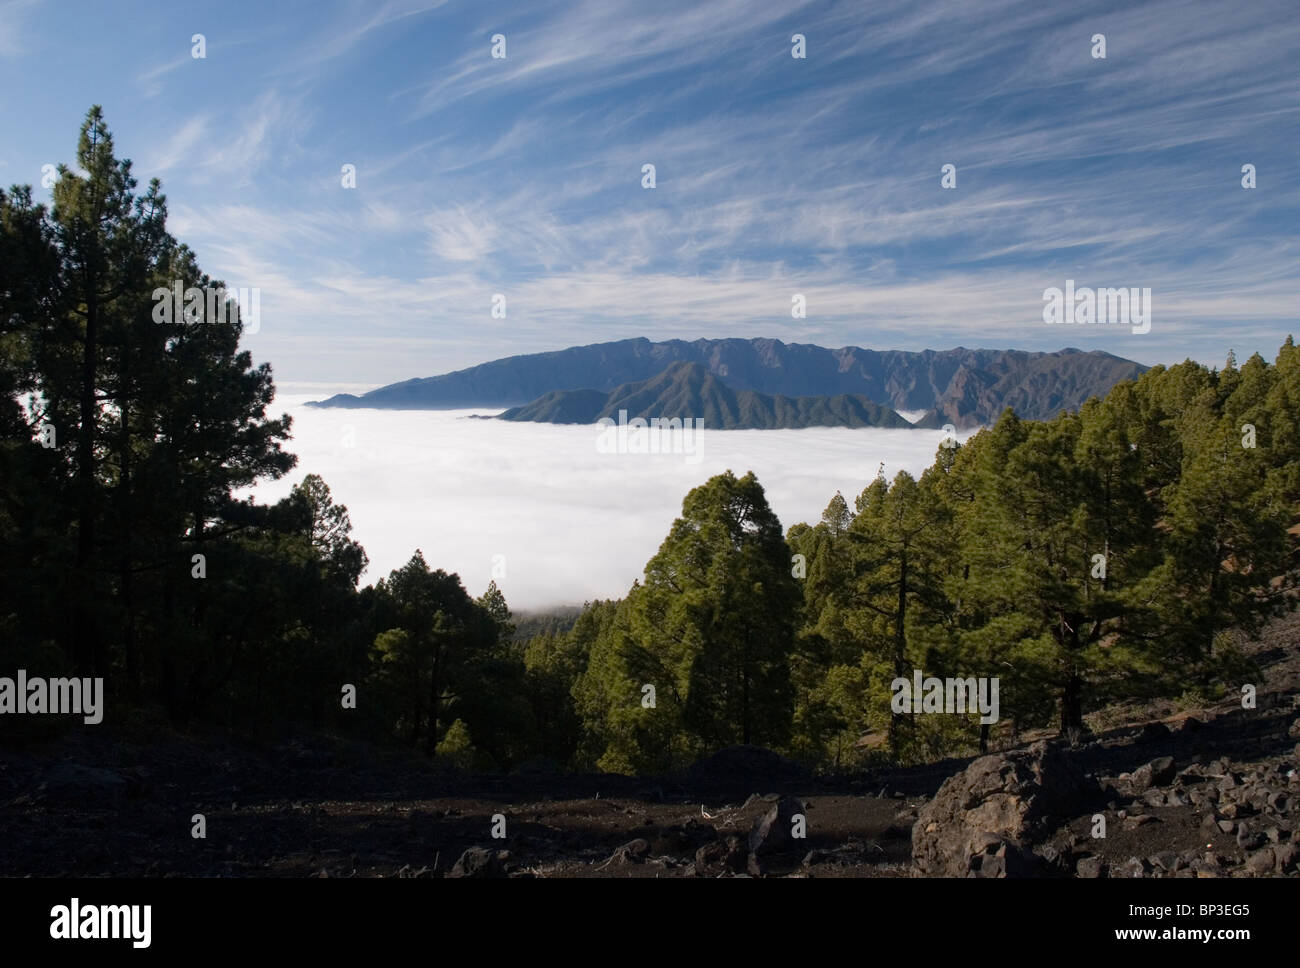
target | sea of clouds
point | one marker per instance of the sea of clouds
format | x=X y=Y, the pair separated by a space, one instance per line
x=569 y=522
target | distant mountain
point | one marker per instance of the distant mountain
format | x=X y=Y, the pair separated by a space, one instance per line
x=960 y=386
x=689 y=390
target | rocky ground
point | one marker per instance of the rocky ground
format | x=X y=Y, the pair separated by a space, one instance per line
x=1208 y=792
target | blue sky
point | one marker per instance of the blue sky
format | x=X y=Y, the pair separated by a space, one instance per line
x=774 y=175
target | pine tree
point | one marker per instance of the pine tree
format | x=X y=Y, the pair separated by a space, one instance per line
x=896 y=570
x=109 y=242
x=711 y=629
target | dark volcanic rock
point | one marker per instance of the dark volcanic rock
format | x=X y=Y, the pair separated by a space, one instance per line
x=772 y=832
x=1285 y=856
x=735 y=857
x=1159 y=772
x=1207 y=866
x=1166 y=860
x=997 y=808
x=1261 y=862
x=1005 y=859
x=633 y=851
x=1052 y=859
x=710 y=855
x=478 y=862
x=1138 y=820
x=1133 y=867
x=721 y=856
x=1091 y=867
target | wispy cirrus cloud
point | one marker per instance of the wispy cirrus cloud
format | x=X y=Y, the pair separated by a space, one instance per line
x=775 y=175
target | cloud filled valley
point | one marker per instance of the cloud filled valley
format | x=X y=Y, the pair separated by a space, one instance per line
x=571 y=522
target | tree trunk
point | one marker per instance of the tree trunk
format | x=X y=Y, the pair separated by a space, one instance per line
x=85 y=645
x=900 y=648
x=744 y=692
x=126 y=560
x=1072 y=704
x=435 y=687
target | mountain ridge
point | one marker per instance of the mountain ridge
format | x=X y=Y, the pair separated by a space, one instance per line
x=964 y=387
x=688 y=390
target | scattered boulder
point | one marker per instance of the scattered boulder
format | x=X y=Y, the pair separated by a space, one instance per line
x=634 y=851
x=721 y=856
x=1090 y=866
x=1261 y=862
x=710 y=855
x=1133 y=867
x=1285 y=856
x=1159 y=772
x=997 y=808
x=774 y=835
x=1053 y=860
x=1207 y=866
x=480 y=863
x=772 y=832
x=1167 y=860
x=1004 y=859
x=1139 y=820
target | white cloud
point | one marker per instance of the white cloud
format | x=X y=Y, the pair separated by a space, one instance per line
x=150 y=79
x=459 y=235
x=830 y=190
x=572 y=523
x=231 y=149
x=180 y=149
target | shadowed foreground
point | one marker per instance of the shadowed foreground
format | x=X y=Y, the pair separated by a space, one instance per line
x=1208 y=792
